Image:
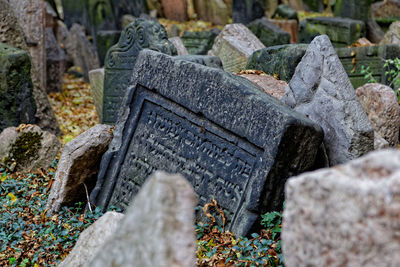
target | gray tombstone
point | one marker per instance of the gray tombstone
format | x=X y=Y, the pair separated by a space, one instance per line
x=198 y=43
x=268 y=32
x=233 y=142
x=121 y=58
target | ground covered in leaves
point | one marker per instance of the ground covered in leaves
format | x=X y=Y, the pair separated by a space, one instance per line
x=28 y=237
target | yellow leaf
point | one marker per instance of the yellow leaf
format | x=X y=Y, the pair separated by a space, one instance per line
x=52 y=236
x=12 y=197
x=3 y=177
x=36 y=265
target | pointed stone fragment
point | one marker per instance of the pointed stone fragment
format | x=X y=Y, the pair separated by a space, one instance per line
x=321 y=89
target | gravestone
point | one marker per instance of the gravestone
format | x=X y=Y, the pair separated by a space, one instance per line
x=268 y=33
x=267 y=84
x=216 y=11
x=180 y=47
x=208 y=61
x=101 y=16
x=341 y=31
x=314 y=5
x=104 y=41
x=392 y=36
x=198 y=43
x=121 y=58
x=234 y=46
x=175 y=9
x=75 y=12
x=124 y=7
x=354 y=9
x=280 y=60
x=245 y=11
x=96 y=78
x=321 y=90
x=233 y=142
x=31 y=15
x=56 y=63
x=386 y=12
x=285 y=12
x=17 y=104
x=290 y=26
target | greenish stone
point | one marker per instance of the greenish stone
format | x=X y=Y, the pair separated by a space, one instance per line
x=198 y=43
x=269 y=33
x=121 y=58
x=101 y=15
x=286 y=12
x=314 y=5
x=17 y=104
x=75 y=12
x=104 y=41
x=245 y=11
x=354 y=9
x=280 y=60
x=341 y=31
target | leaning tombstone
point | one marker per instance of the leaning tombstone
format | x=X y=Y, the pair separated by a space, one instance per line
x=321 y=90
x=234 y=46
x=341 y=31
x=121 y=58
x=248 y=10
x=198 y=43
x=96 y=78
x=268 y=32
x=17 y=104
x=56 y=63
x=233 y=142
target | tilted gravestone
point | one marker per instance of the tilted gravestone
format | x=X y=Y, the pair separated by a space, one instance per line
x=16 y=100
x=56 y=63
x=233 y=142
x=341 y=31
x=121 y=58
x=269 y=33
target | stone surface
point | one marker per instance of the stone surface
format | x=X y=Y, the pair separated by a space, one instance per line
x=233 y=142
x=234 y=46
x=125 y=7
x=51 y=16
x=314 y=5
x=290 y=26
x=285 y=12
x=17 y=104
x=386 y=9
x=216 y=11
x=104 y=41
x=245 y=11
x=341 y=31
x=92 y=239
x=392 y=36
x=121 y=58
x=344 y=216
x=379 y=142
x=280 y=60
x=31 y=15
x=269 y=33
x=78 y=168
x=101 y=17
x=180 y=47
x=11 y=33
x=383 y=110
x=56 y=63
x=28 y=147
x=208 y=61
x=198 y=43
x=96 y=78
x=354 y=9
x=175 y=9
x=75 y=12
x=268 y=84
x=321 y=89
x=81 y=50
x=158 y=228
x=374 y=31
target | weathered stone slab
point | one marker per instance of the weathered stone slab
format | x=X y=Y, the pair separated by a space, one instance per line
x=314 y=5
x=233 y=142
x=180 y=47
x=245 y=11
x=78 y=167
x=75 y=12
x=81 y=50
x=354 y=9
x=388 y=9
x=383 y=110
x=280 y=60
x=321 y=90
x=344 y=216
x=234 y=46
x=17 y=104
x=104 y=41
x=121 y=58
x=341 y=31
x=285 y=12
x=216 y=11
x=268 y=84
x=198 y=43
x=158 y=228
x=27 y=148
x=208 y=61
x=392 y=36
x=268 y=33
x=56 y=63
x=31 y=15
x=290 y=26
x=92 y=239
x=96 y=78
x=175 y=9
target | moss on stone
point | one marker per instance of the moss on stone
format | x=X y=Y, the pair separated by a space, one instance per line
x=25 y=148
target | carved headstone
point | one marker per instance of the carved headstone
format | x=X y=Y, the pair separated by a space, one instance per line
x=341 y=31
x=56 y=63
x=245 y=11
x=121 y=58
x=31 y=15
x=321 y=90
x=198 y=43
x=234 y=46
x=96 y=78
x=233 y=142
x=268 y=33
x=16 y=100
